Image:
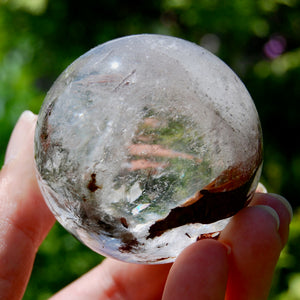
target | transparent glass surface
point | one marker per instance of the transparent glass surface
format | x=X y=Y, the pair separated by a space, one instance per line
x=146 y=144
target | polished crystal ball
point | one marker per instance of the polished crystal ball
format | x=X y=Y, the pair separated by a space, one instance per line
x=146 y=144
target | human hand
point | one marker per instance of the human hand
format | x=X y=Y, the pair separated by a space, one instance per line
x=239 y=265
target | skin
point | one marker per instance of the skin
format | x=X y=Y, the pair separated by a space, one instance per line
x=239 y=265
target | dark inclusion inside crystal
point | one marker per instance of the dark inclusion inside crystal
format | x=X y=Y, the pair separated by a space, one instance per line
x=92 y=184
x=214 y=202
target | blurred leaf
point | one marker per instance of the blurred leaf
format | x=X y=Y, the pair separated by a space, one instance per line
x=35 y=7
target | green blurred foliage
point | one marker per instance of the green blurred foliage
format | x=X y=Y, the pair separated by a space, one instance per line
x=259 y=40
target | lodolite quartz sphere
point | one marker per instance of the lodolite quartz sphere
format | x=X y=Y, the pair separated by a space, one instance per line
x=146 y=144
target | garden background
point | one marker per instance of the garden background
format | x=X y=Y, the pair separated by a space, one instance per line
x=259 y=40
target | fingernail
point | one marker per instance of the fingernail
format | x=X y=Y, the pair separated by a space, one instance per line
x=28 y=116
x=23 y=126
x=272 y=212
x=261 y=188
x=285 y=203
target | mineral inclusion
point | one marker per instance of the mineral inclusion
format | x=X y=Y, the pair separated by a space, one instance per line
x=146 y=144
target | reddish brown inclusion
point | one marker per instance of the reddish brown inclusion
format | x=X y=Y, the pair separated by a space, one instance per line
x=220 y=199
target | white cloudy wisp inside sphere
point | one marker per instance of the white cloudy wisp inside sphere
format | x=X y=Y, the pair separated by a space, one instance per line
x=146 y=144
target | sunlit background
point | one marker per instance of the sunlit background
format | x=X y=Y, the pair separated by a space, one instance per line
x=259 y=40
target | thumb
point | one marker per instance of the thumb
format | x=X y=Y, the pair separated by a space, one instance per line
x=24 y=217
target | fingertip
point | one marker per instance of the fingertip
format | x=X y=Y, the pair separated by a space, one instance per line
x=23 y=128
x=28 y=116
x=251 y=227
x=200 y=272
x=272 y=212
x=282 y=208
x=285 y=203
x=203 y=249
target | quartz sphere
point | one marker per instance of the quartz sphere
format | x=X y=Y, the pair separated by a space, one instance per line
x=146 y=144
